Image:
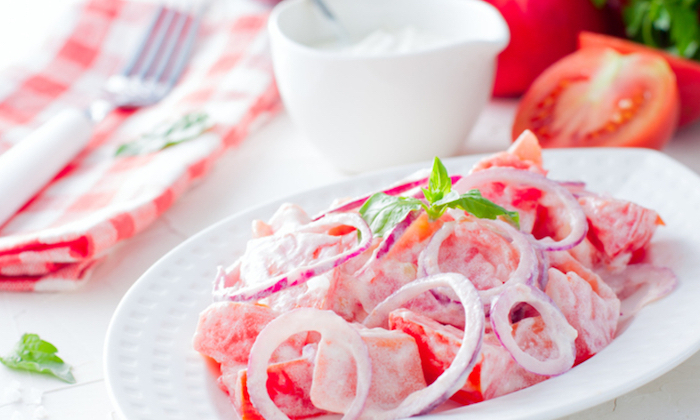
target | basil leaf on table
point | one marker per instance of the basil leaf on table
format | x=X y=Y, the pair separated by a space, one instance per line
x=33 y=354
x=165 y=135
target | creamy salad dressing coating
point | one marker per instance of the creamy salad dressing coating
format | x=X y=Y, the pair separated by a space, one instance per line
x=546 y=297
x=387 y=41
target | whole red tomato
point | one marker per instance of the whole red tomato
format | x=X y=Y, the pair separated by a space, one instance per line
x=541 y=32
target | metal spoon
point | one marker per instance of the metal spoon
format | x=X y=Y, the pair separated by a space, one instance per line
x=340 y=31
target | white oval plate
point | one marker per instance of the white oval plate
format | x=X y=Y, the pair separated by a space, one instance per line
x=153 y=373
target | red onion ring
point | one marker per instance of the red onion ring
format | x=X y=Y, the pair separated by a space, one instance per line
x=543 y=275
x=526 y=272
x=562 y=334
x=388 y=241
x=454 y=377
x=330 y=326
x=300 y=274
x=577 y=219
x=638 y=285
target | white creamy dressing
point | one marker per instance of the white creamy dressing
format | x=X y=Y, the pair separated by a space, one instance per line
x=387 y=41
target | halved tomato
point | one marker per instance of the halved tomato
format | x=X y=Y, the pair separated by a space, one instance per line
x=599 y=97
x=687 y=71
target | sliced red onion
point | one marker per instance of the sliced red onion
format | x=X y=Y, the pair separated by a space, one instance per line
x=638 y=285
x=301 y=274
x=573 y=186
x=560 y=332
x=526 y=272
x=332 y=328
x=388 y=241
x=428 y=258
x=577 y=219
x=543 y=274
x=454 y=377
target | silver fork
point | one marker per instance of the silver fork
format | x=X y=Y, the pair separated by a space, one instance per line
x=148 y=76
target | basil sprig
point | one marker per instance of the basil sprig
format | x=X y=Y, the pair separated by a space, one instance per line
x=33 y=354
x=670 y=25
x=167 y=134
x=382 y=211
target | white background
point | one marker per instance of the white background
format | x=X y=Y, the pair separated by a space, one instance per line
x=274 y=162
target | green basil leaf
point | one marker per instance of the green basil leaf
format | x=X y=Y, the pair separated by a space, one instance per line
x=633 y=16
x=439 y=182
x=599 y=3
x=483 y=208
x=382 y=211
x=36 y=355
x=684 y=31
x=168 y=134
x=662 y=21
x=671 y=25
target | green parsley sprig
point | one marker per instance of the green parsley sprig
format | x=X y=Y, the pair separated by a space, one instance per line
x=382 y=211
x=33 y=354
x=167 y=134
x=670 y=25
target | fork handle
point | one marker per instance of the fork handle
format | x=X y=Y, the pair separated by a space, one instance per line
x=33 y=162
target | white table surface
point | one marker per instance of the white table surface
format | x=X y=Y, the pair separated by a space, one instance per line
x=274 y=162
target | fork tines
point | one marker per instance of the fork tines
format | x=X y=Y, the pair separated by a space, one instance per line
x=165 y=47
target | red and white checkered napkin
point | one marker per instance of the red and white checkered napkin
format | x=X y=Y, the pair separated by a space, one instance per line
x=99 y=199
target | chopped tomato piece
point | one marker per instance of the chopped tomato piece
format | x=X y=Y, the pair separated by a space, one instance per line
x=396 y=372
x=437 y=345
x=588 y=304
x=618 y=229
x=495 y=374
x=525 y=153
x=289 y=385
x=227 y=330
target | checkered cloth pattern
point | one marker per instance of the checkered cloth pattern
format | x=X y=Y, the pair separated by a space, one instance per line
x=98 y=200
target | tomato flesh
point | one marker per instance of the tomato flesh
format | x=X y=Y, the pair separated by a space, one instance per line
x=599 y=97
x=687 y=71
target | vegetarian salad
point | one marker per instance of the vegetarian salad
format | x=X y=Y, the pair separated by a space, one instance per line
x=440 y=287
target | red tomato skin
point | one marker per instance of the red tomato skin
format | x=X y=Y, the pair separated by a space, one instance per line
x=687 y=71
x=651 y=128
x=541 y=32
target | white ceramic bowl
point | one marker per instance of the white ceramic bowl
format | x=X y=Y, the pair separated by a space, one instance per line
x=369 y=112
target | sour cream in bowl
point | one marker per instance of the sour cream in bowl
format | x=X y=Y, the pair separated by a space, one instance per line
x=407 y=83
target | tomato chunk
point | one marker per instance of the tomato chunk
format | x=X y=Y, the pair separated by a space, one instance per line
x=495 y=374
x=289 y=385
x=618 y=229
x=525 y=153
x=396 y=372
x=588 y=304
x=227 y=330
